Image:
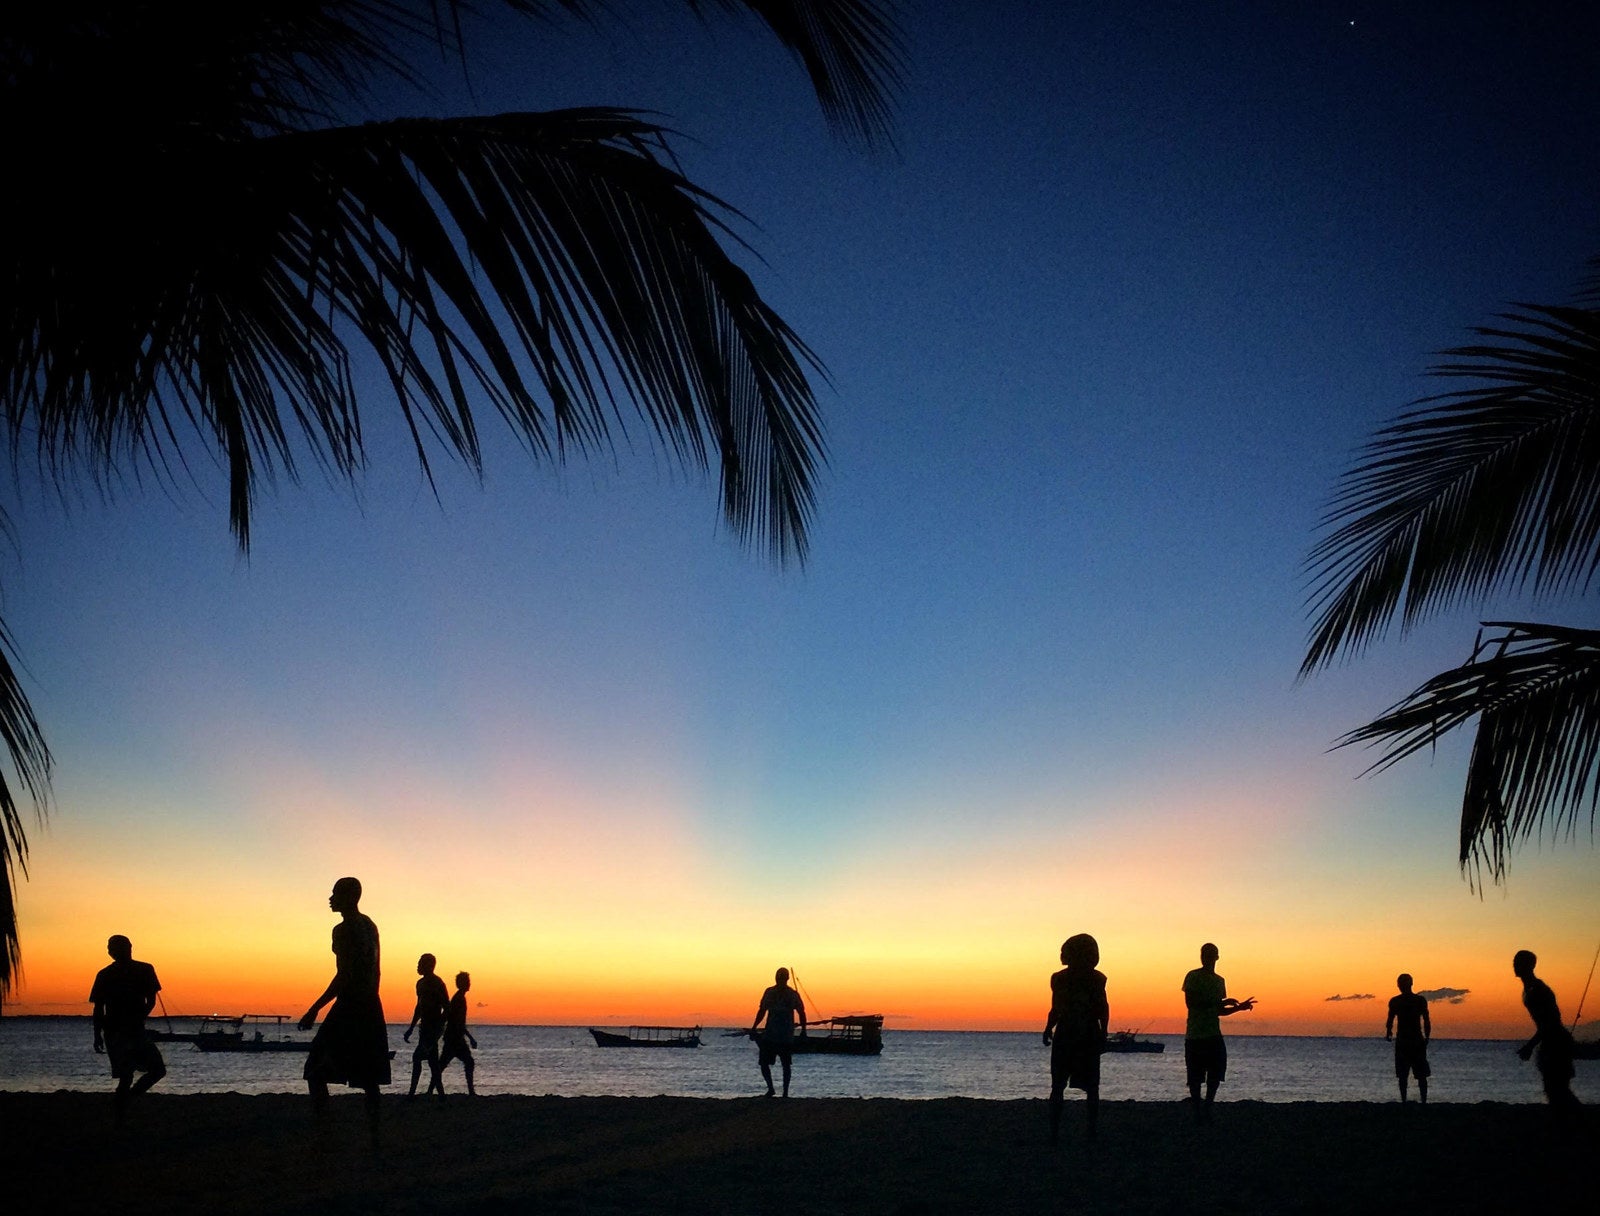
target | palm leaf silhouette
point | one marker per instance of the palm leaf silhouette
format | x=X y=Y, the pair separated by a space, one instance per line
x=205 y=256
x=1479 y=491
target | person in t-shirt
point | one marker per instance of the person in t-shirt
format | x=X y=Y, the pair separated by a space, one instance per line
x=430 y=1011
x=456 y=1034
x=123 y=995
x=1076 y=1029
x=1411 y=1028
x=1205 y=1055
x=780 y=1006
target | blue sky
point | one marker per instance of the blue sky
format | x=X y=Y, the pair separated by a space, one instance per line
x=1102 y=336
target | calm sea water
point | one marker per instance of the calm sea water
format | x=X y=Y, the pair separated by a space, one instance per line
x=50 y=1055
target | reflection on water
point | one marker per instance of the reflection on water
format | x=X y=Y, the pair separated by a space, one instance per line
x=51 y=1055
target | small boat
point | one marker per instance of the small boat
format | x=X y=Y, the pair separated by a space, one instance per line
x=856 y=1034
x=648 y=1036
x=1127 y=1041
x=248 y=1032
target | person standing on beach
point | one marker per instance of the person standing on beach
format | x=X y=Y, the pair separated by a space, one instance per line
x=1205 y=1055
x=456 y=1034
x=123 y=994
x=780 y=1005
x=1550 y=1035
x=352 y=1044
x=430 y=1012
x=1079 y=1019
x=1408 y=1014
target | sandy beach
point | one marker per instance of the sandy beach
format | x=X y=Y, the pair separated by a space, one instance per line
x=241 y=1154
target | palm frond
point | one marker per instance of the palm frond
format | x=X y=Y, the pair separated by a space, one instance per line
x=1535 y=766
x=228 y=308
x=30 y=764
x=1482 y=489
x=851 y=50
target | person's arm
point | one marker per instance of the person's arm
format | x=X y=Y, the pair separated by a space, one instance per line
x=415 y=1014
x=1427 y=1024
x=761 y=1012
x=328 y=994
x=800 y=1008
x=1050 y=1022
x=1388 y=1024
x=99 y=1028
x=1104 y=1015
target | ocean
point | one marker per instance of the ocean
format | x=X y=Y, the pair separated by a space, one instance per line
x=44 y=1055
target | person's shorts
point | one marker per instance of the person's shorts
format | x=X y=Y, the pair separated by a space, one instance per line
x=131 y=1051
x=779 y=1049
x=455 y=1048
x=1411 y=1058
x=427 y=1043
x=1075 y=1062
x=1206 y=1060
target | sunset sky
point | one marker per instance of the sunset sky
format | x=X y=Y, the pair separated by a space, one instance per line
x=1102 y=337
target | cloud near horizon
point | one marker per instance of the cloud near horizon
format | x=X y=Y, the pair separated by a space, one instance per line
x=1354 y=996
x=1453 y=995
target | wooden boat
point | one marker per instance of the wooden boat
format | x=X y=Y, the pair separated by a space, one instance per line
x=1127 y=1041
x=856 y=1034
x=249 y=1032
x=648 y=1036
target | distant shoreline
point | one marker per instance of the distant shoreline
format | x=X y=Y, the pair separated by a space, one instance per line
x=179 y=1154
x=1587 y=1029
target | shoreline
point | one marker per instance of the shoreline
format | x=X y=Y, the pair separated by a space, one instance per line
x=181 y=1153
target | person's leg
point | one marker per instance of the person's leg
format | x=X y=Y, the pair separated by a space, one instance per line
x=786 y=1060
x=1422 y=1090
x=467 y=1063
x=1092 y=1099
x=318 y=1089
x=371 y=1102
x=416 y=1070
x=1401 y=1077
x=766 y=1075
x=157 y=1070
x=436 y=1078
x=1057 y=1098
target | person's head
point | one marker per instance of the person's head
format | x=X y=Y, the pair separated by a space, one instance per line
x=782 y=976
x=463 y=981
x=119 y=947
x=1523 y=962
x=426 y=964
x=1081 y=950
x=1403 y=982
x=346 y=895
x=1208 y=955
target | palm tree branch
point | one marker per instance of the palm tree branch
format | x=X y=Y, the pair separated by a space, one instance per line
x=1535 y=690
x=1478 y=490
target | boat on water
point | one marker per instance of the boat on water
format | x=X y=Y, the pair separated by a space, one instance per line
x=648 y=1036
x=248 y=1032
x=856 y=1034
x=1128 y=1041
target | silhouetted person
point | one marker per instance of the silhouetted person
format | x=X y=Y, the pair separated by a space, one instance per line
x=780 y=1005
x=1550 y=1035
x=456 y=1034
x=352 y=1045
x=1076 y=1029
x=123 y=995
x=432 y=998
x=1409 y=1025
x=1205 y=1055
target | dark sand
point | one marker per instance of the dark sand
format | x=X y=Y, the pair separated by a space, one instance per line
x=229 y=1153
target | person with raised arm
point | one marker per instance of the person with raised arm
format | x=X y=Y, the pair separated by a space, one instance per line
x=1205 y=1054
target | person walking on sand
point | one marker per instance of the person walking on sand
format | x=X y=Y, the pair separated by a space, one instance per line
x=1205 y=1055
x=780 y=1005
x=1551 y=1037
x=123 y=994
x=456 y=1034
x=1410 y=1028
x=352 y=1044
x=1076 y=1029
x=430 y=1012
